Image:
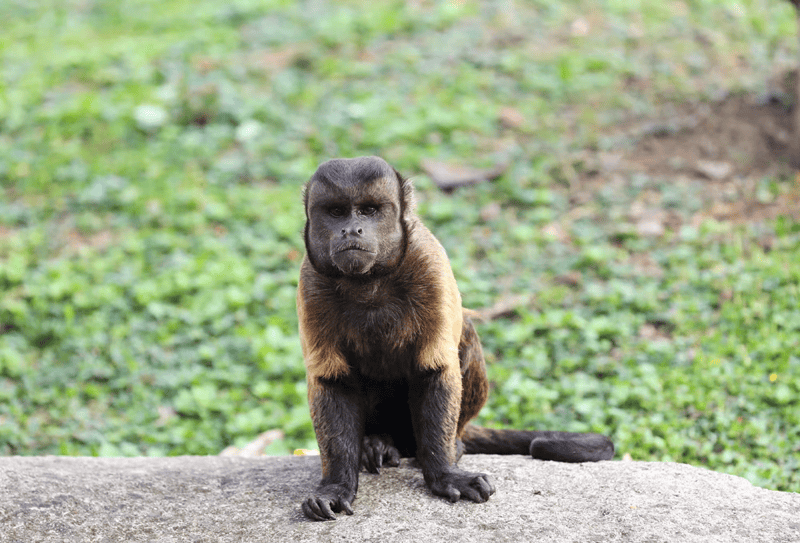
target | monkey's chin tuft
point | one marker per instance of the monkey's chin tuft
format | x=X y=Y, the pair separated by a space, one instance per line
x=354 y=261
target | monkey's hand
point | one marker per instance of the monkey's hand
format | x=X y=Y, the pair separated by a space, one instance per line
x=456 y=483
x=377 y=451
x=329 y=499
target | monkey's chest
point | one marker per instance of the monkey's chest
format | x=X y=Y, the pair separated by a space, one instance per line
x=379 y=360
x=379 y=342
x=380 y=328
x=390 y=324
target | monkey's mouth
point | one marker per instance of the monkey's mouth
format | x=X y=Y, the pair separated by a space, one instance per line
x=354 y=247
x=354 y=258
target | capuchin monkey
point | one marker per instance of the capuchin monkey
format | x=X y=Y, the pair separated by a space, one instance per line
x=394 y=365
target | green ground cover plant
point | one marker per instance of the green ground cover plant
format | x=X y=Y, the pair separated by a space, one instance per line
x=151 y=159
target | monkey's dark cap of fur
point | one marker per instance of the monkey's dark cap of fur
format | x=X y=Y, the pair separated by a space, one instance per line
x=341 y=170
x=344 y=172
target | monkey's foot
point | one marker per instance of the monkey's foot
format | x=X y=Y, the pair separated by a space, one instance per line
x=329 y=499
x=457 y=483
x=378 y=451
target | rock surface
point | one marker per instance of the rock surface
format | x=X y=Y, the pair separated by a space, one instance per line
x=232 y=499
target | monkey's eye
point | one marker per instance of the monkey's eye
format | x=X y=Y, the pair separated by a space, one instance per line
x=368 y=210
x=336 y=211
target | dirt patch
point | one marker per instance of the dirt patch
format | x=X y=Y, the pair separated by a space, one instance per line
x=746 y=137
x=734 y=153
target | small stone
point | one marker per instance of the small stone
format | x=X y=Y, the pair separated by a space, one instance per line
x=248 y=131
x=650 y=228
x=150 y=117
x=712 y=169
x=490 y=212
x=511 y=117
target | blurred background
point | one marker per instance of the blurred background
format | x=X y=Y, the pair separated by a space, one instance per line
x=612 y=180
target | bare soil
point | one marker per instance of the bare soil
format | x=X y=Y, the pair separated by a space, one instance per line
x=735 y=152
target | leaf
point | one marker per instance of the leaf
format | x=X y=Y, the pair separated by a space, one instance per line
x=448 y=176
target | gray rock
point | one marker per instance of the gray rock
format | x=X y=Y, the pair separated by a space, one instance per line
x=234 y=499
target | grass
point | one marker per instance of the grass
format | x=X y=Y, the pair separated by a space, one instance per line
x=151 y=158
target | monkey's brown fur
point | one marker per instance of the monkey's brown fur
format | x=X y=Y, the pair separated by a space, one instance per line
x=394 y=366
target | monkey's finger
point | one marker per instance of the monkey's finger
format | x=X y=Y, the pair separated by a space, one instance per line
x=312 y=509
x=371 y=464
x=307 y=511
x=374 y=458
x=484 y=487
x=365 y=463
x=446 y=490
x=394 y=457
x=318 y=509
x=473 y=494
x=453 y=494
x=325 y=508
x=345 y=506
x=479 y=489
x=371 y=454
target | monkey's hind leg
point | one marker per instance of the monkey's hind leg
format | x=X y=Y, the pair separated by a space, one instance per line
x=378 y=451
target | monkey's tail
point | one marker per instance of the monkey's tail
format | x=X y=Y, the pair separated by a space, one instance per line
x=558 y=446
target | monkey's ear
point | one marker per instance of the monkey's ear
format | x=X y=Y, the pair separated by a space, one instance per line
x=407 y=194
x=304 y=196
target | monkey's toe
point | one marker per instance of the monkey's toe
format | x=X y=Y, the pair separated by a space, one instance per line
x=330 y=499
x=378 y=451
x=457 y=484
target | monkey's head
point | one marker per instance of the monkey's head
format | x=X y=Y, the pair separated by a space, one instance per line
x=357 y=213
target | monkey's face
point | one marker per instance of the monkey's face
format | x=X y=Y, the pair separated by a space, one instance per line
x=354 y=222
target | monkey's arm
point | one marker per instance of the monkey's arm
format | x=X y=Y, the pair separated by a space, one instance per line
x=436 y=389
x=434 y=406
x=337 y=410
